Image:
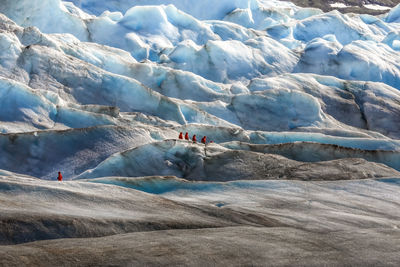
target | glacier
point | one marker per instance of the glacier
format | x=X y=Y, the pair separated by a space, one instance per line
x=302 y=108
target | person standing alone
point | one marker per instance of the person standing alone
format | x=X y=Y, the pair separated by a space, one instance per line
x=59 y=178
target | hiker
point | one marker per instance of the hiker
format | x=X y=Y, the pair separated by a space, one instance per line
x=203 y=140
x=194 y=139
x=180 y=135
x=186 y=136
x=59 y=178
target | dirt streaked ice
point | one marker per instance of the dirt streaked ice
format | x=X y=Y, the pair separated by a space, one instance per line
x=108 y=222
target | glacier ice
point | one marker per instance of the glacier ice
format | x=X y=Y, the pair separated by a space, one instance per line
x=248 y=71
x=36 y=13
x=293 y=102
x=215 y=163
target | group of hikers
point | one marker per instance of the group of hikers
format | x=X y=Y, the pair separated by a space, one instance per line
x=194 y=139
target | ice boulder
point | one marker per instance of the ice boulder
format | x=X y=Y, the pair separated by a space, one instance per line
x=369 y=61
x=393 y=15
x=319 y=55
x=345 y=28
x=36 y=13
x=277 y=110
x=224 y=61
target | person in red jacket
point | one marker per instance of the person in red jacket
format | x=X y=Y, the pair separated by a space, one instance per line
x=203 y=140
x=186 y=136
x=180 y=135
x=194 y=139
x=59 y=178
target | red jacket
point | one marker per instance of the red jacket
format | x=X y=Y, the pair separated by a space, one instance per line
x=59 y=176
x=180 y=135
x=187 y=136
x=194 y=138
x=203 y=140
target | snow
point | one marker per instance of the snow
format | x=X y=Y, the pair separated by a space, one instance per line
x=339 y=5
x=369 y=6
x=377 y=7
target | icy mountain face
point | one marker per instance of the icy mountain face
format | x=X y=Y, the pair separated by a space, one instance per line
x=102 y=77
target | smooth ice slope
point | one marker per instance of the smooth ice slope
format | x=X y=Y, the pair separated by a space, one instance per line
x=234 y=223
x=84 y=209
